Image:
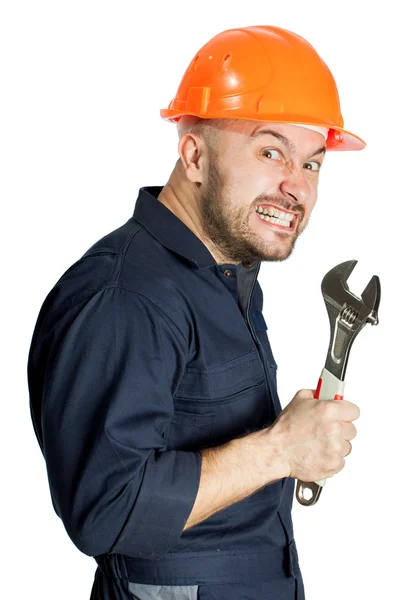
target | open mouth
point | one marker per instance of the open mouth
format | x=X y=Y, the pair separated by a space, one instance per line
x=277 y=217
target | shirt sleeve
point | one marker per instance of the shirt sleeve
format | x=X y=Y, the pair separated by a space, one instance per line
x=106 y=413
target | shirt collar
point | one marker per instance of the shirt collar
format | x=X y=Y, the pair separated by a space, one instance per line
x=170 y=231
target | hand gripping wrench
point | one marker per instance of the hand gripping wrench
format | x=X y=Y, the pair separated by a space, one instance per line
x=347 y=316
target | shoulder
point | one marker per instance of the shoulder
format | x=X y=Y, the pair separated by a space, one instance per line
x=129 y=262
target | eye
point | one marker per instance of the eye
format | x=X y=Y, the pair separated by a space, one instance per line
x=312 y=165
x=271 y=153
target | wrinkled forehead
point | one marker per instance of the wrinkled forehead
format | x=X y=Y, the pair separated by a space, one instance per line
x=187 y=122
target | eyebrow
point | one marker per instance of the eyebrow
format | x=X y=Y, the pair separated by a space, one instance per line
x=283 y=139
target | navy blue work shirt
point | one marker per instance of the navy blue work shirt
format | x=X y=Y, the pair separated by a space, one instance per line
x=144 y=352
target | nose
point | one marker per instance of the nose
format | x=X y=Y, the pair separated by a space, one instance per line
x=295 y=184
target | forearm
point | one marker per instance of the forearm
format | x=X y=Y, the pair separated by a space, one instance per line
x=235 y=470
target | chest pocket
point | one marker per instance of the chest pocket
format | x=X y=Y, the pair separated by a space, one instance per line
x=216 y=404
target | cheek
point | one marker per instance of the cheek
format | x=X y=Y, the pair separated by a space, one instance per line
x=308 y=208
x=313 y=197
x=249 y=182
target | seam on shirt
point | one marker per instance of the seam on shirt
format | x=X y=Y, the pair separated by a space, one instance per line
x=120 y=253
x=138 y=227
x=114 y=279
x=224 y=399
x=49 y=377
x=251 y=356
x=154 y=304
x=91 y=295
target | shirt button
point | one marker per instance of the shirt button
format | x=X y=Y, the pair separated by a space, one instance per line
x=248 y=264
x=227 y=272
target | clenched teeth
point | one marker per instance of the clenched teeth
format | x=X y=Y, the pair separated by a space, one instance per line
x=275 y=216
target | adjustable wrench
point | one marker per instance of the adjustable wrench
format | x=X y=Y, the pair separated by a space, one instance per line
x=347 y=316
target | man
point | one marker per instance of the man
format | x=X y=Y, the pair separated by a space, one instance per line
x=152 y=380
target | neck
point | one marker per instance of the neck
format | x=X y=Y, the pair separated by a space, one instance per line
x=182 y=198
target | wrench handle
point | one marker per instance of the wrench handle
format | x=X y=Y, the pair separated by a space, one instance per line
x=329 y=388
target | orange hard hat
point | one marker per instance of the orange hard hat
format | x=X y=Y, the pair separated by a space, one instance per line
x=262 y=73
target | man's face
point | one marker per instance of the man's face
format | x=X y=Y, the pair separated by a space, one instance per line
x=274 y=167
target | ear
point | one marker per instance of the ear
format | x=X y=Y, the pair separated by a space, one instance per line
x=192 y=151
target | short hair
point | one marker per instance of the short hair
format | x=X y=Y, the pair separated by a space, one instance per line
x=208 y=129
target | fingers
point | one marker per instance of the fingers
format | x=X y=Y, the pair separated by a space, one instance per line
x=341 y=410
x=305 y=393
x=348 y=410
x=348 y=448
x=349 y=430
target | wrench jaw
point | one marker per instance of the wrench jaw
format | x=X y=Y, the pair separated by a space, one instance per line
x=335 y=290
x=334 y=285
x=341 y=273
x=347 y=313
x=371 y=297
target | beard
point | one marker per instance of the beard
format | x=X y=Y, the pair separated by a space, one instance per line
x=228 y=230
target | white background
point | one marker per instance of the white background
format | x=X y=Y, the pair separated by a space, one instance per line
x=82 y=84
